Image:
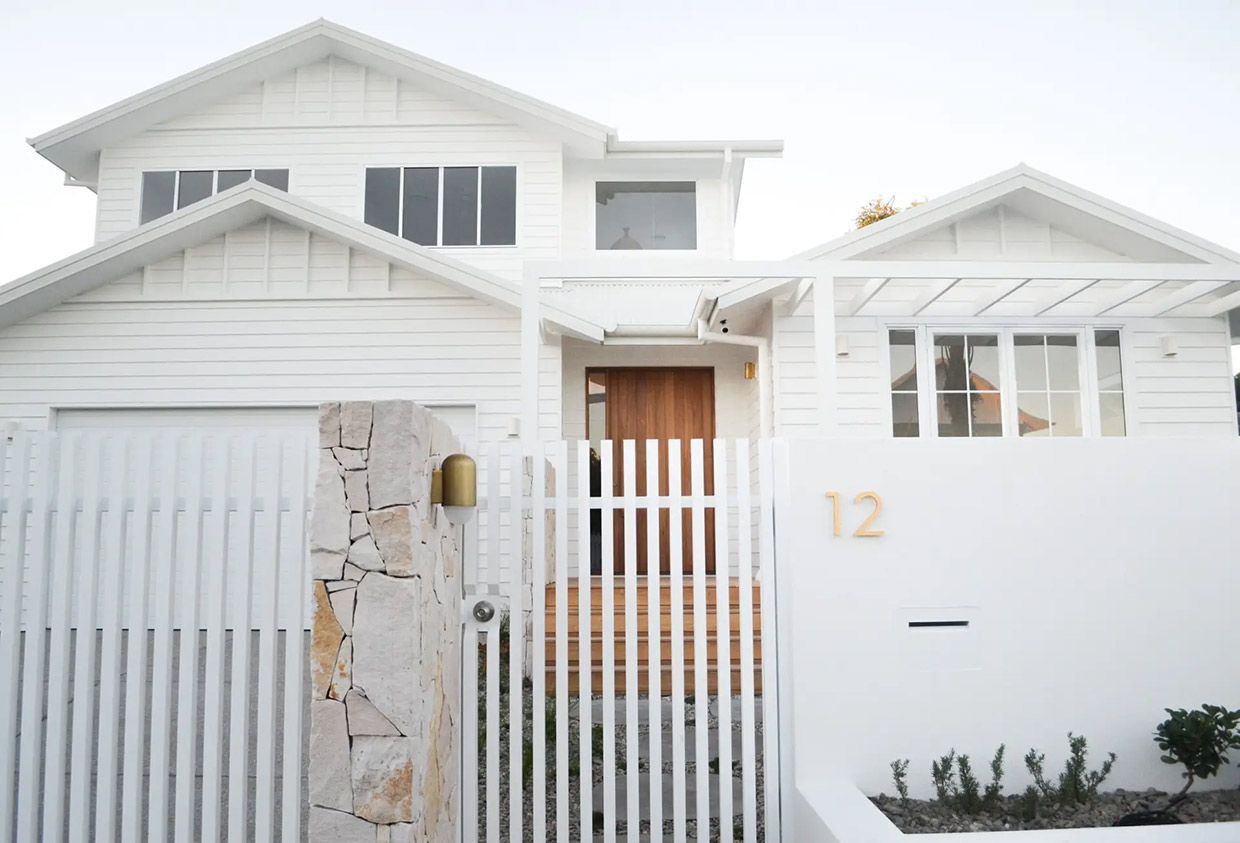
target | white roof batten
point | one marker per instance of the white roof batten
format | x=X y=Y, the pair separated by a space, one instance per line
x=1062 y=294
x=864 y=296
x=991 y=298
x=1183 y=296
x=799 y=294
x=1129 y=292
x=936 y=292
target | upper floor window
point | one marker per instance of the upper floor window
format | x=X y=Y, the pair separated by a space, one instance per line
x=1006 y=382
x=645 y=215
x=444 y=206
x=165 y=191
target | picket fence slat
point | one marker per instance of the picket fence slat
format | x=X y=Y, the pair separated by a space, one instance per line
x=766 y=471
x=265 y=758
x=723 y=615
x=492 y=572
x=112 y=574
x=516 y=645
x=538 y=635
x=607 y=569
x=585 y=731
x=30 y=760
x=675 y=485
x=561 y=643
x=632 y=788
x=161 y=680
x=213 y=690
x=744 y=547
x=14 y=528
x=239 y=713
x=654 y=585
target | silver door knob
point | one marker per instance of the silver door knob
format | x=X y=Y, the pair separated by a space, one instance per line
x=483 y=611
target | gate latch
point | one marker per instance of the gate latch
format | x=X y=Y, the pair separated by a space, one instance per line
x=483 y=611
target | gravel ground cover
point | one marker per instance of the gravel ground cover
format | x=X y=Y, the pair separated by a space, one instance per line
x=919 y=816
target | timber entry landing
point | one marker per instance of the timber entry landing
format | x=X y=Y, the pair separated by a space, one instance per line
x=665 y=637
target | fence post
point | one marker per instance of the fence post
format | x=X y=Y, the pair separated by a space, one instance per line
x=385 y=645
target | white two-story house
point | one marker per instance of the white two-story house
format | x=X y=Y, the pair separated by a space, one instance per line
x=325 y=216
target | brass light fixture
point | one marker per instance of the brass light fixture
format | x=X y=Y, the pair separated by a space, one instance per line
x=454 y=486
x=751 y=370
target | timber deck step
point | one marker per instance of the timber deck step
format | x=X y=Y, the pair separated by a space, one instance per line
x=643 y=646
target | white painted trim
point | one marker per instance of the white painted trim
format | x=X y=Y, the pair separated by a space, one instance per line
x=824 y=355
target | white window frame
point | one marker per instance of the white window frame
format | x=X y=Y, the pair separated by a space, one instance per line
x=215 y=182
x=927 y=404
x=697 y=215
x=439 y=244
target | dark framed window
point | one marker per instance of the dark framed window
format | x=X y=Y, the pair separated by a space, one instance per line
x=164 y=191
x=444 y=206
x=645 y=215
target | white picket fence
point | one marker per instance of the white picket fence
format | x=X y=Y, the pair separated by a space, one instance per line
x=529 y=772
x=153 y=602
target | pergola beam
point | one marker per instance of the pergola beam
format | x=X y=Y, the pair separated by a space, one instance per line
x=1184 y=296
x=989 y=299
x=864 y=296
x=1062 y=294
x=936 y=292
x=1129 y=292
x=1224 y=304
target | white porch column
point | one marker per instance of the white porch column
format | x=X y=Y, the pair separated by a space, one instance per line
x=824 y=354
x=530 y=341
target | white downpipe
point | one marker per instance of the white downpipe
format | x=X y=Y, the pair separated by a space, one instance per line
x=764 y=360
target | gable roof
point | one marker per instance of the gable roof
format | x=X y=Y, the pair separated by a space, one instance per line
x=74 y=147
x=242 y=206
x=1039 y=194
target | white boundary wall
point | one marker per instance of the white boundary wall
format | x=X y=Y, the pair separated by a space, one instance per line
x=1098 y=579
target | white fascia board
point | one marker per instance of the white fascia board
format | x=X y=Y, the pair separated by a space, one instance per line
x=707 y=148
x=1045 y=270
x=74 y=147
x=959 y=203
x=241 y=206
x=637 y=266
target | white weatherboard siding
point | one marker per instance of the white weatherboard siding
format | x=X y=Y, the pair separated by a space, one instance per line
x=278 y=336
x=1000 y=232
x=326 y=123
x=1190 y=394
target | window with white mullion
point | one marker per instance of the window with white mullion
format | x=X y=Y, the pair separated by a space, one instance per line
x=1048 y=384
x=968 y=384
x=1109 y=372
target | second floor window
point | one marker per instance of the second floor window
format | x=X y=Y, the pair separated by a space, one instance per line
x=645 y=215
x=444 y=206
x=165 y=191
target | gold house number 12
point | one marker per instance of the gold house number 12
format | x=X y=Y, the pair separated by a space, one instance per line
x=866 y=530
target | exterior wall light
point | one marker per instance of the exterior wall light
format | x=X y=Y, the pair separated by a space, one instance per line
x=841 y=345
x=1168 y=345
x=751 y=370
x=454 y=486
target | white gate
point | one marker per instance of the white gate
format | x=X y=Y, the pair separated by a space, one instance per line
x=604 y=698
x=115 y=721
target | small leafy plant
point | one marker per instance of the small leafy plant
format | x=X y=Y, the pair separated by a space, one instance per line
x=1077 y=783
x=1198 y=740
x=969 y=799
x=943 y=774
x=899 y=777
x=993 y=796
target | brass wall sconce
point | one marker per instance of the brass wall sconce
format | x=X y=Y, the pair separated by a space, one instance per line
x=454 y=486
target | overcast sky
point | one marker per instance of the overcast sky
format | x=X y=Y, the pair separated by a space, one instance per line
x=1138 y=101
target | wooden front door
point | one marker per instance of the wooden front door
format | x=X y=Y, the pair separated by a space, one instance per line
x=660 y=404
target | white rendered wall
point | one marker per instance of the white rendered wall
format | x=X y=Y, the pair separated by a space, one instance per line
x=1098 y=579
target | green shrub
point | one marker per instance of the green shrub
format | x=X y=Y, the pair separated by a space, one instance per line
x=1077 y=783
x=969 y=799
x=899 y=777
x=1198 y=740
x=994 y=791
x=943 y=774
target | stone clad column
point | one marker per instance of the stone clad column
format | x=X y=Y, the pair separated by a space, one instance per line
x=385 y=650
